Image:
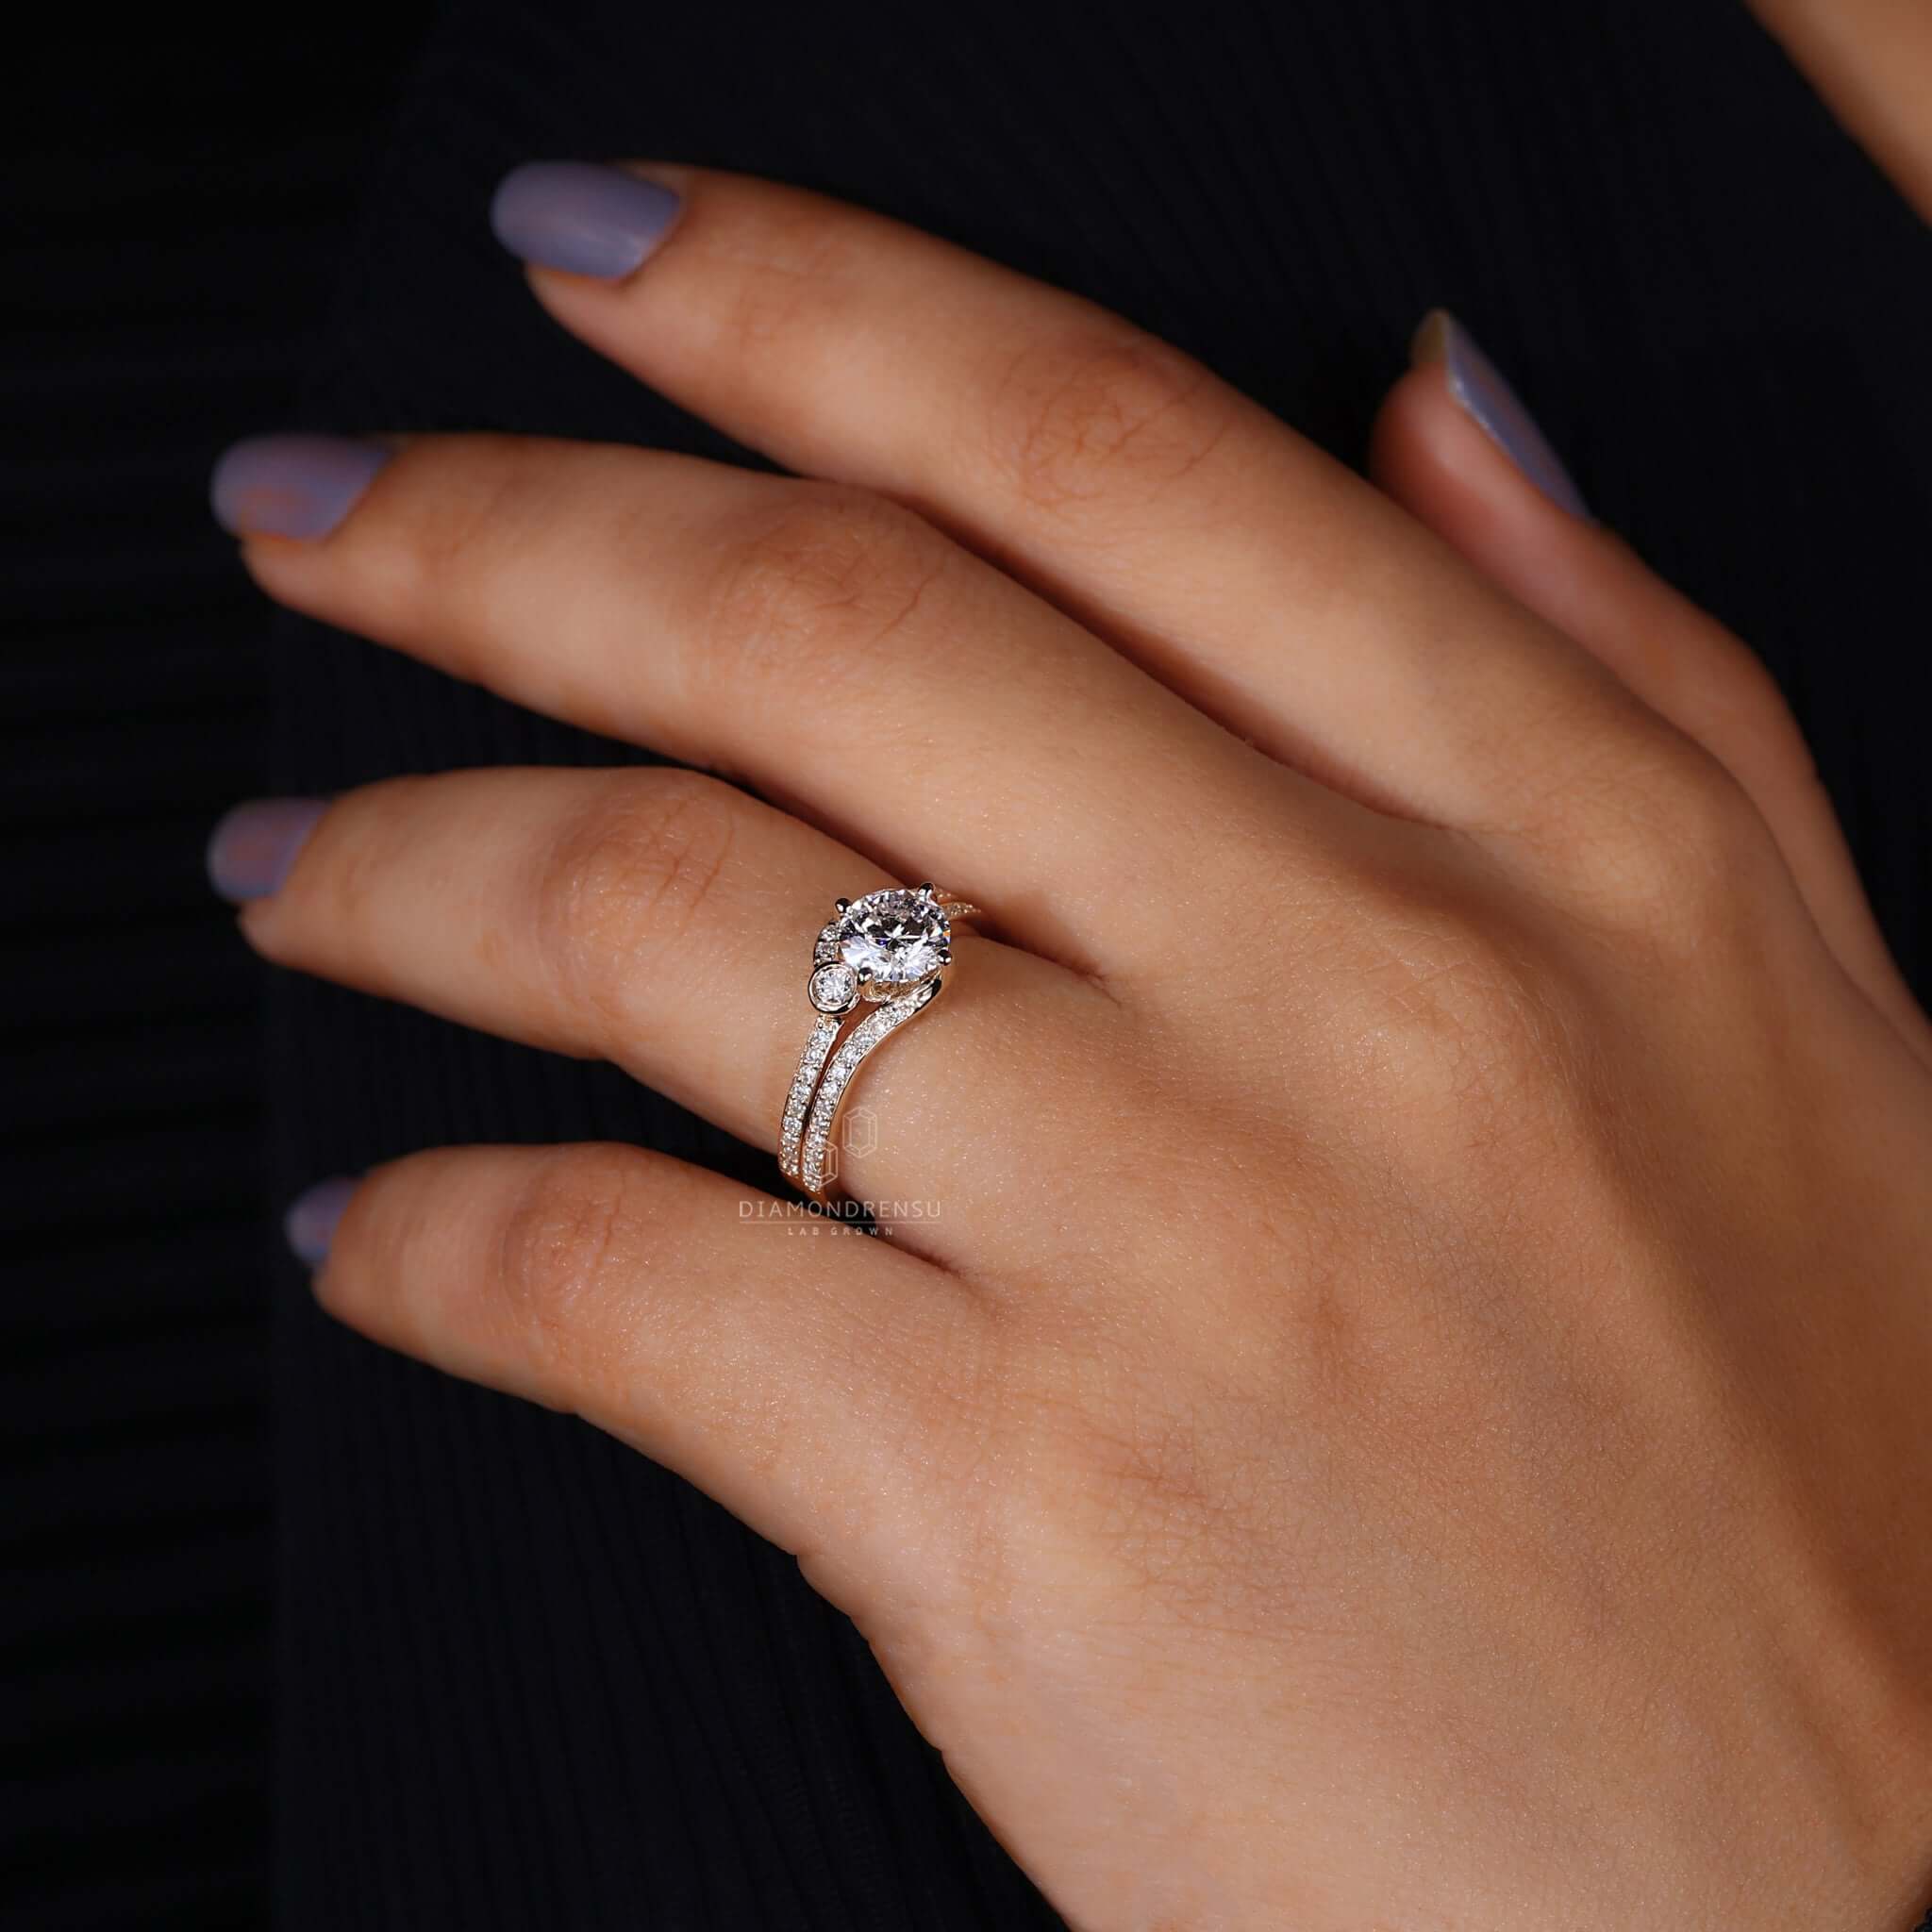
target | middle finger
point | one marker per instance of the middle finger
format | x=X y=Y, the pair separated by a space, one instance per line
x=826 y=644
x=1115 y=474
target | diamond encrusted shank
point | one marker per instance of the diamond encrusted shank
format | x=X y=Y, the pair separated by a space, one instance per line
x=870 y=1031
x=798 y=1098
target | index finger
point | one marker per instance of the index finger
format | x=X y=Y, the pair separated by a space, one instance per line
x=1104 y=468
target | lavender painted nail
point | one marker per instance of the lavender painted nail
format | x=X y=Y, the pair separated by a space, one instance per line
x=588 y=219
x=292 y=486
x=250 y=850
x=1477 y=385
x=310 y=1222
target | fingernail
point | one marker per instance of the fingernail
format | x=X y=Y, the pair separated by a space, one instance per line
x=1477 y=385
x=292 y=486
x=310 y=1222
x=588 y=219
x=251 y=850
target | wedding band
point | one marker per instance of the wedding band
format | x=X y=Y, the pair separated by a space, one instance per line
x=888 y=950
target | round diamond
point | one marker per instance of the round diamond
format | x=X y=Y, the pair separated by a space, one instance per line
x=902 y=936
x=833 y=987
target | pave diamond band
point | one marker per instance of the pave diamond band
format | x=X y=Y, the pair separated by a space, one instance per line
x=888 y=950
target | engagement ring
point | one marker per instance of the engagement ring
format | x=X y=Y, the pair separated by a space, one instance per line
x=889 y=951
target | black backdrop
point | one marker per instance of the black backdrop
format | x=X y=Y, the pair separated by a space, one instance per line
x=174 y=196
x=524 y=1679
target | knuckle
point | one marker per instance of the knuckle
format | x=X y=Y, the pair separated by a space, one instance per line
x=565 y=1234
x=1754 y=731
x=1442 y=1009
x=1102 y=413
x=1663 y=865
x=1159 y=1493
x=1458 y=1022
x=635 y=873
x=1719 y=671
x=826 y=580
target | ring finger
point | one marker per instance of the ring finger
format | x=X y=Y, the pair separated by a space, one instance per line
x=663 y=920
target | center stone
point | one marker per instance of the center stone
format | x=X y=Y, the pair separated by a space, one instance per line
x=902 y=936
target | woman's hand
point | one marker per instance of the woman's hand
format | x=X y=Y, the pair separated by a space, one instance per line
x=1410 y=1411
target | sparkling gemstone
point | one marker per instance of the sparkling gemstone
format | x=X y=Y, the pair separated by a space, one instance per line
x=833 y=987
x=902 y=936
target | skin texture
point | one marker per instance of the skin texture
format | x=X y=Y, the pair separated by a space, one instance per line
x=1410 y=1413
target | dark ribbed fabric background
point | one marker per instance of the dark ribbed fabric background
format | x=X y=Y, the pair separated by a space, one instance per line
x=526 y=1679
x=172 y=225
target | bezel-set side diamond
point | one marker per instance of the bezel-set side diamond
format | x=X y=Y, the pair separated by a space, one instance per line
x=834 y=987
